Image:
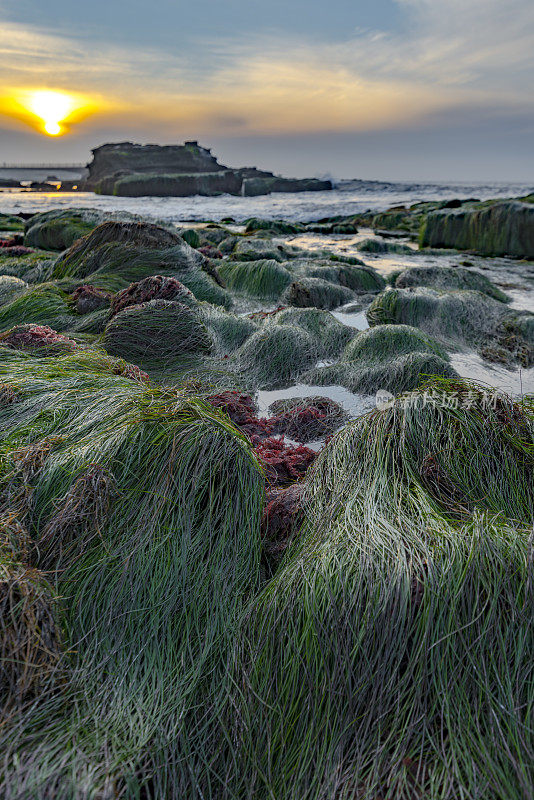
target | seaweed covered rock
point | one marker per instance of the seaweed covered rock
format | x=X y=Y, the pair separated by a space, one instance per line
x=10 y=222
x=158 y=329
x=384 y=342
x=328 y=334
x=448 y=278
x=87 y=298
x=38 y=339
x=393 y=585
x=116 y=254
x=276 y=354
x=392 y=358
x=397 y=218
x=242 y=410
x=305 y=419
x=404 y=373
x=31 y=266
x=276 y=227
x=169 y=558
x=57 y=230
x=10 y=288
x=316 y=293
x=155 y=287
x=229 y=331
x=265 y=279
x=504 y=228
x=456 y=318
x=358 y=278
x=254 y=249
x=47 y=304
x=283 y=515
x=379 y=246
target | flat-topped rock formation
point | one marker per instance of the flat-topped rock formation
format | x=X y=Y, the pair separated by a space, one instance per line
x=134 y=170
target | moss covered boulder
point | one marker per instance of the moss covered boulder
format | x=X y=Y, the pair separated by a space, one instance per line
x=158 y=329
x=275 y=226
x=58 y=230
x=265 y=279
x=10 y=288
x=395 y=358
x=448 y=278
x=256 y=249
x=357 y=278
x=496 y=229
x=329 y=335
x=116 y=254
x=276 y=355
x=10 y=222
x=316 y=293
x=456 y=318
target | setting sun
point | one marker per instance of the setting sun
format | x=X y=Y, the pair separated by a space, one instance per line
x=49 y=111
x=52 y=108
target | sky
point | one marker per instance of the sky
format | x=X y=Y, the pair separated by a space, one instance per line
x=385 y=89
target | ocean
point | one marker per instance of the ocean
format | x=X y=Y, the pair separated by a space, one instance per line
x=349 y=197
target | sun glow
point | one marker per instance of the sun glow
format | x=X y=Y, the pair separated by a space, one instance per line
x=50 y=111
x=52 y=108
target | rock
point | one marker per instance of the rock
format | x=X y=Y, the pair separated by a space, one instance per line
x=282 y=517
x=503 y=228
x=134 y=170
x=251 y=249
x=274 y=226
x=207 y=184
x=57 y=230
x=284 y=464
x=377 y=246
x=448 y=278
x=316 y=293
x=357 y=278
x=39 y=339
x=305 y=419
x=457 y=318
x=264 y=279
x=252 y=187
x=276 y=354
x=89 y=298
x=156 y=331
x=10 y=288
x=10 y=222
x=116 y=253
x=393 y=358
x=328 y=334
x=155 y=287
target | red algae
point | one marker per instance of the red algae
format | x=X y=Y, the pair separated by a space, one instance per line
x=14 y=250
x=37 y=337
x=155 y=287
x=284 y=464
x=242 y=411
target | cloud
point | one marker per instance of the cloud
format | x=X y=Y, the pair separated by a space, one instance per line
x=448 y=55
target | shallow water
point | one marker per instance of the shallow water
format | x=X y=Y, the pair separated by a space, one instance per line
x=349 y=197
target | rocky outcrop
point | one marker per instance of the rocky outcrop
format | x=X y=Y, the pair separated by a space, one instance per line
x=135 y=170
x=499 y=228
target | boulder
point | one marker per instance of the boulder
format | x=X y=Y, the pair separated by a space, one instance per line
x=504 y=228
